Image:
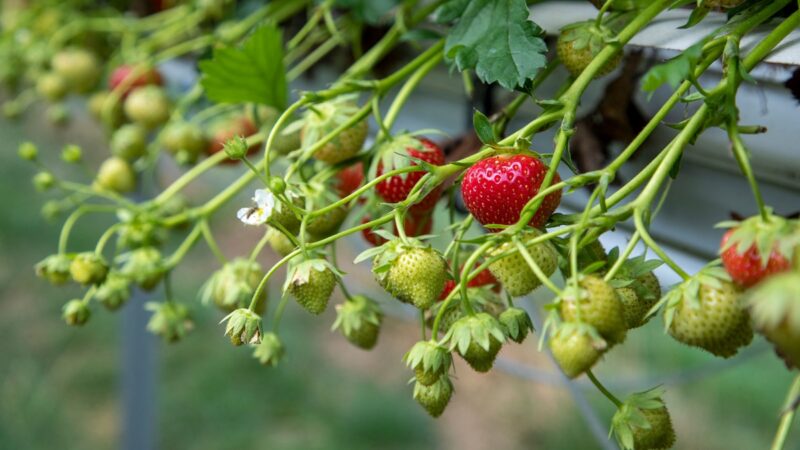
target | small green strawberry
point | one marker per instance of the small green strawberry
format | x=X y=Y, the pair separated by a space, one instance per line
x=233 y=285
x=270 y=351
x=434 y=398
x=576 y=347
x=409 y=270
x=76 y=312
x=579 y=43
x=513 y=271
x=116 y=174
x=129 y=142
x=88 y=268
x=359 y=319
x=54 y=268
x=595 y=303
x=774 y=306
x=243 y=327
x=642 y=422
x=429 y=361
x=704 y=312
x=114 y=291
x=638 y=289
x=278 y=241
x=328 y=223
x=311 y=283
x=516 y=323
x=477 y=338
x=324 y=118
x=144 y=266
x=170 y=320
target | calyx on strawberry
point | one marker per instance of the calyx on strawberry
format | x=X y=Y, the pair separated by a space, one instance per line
x=576 y=347
x=745 y=247
x=429 y=361
x=397 y=154
x=496 y=189
x=704 y=312
x=579 y=43
x=143 y=77
x=595 y=302
x=638 y=289
x=359 y=320
x=774 y=306
x=434 y=398
x=114 y=291
x=243 y=327
x=477 y=338
x=170 y=320
x=516 y=323
x=409 y=270
x=231 y=127
x=643 y=422
x=311 y=283
x=54 y=268
x=326 y=117
x=233 y=285
x=513 y=271
x=270 y=351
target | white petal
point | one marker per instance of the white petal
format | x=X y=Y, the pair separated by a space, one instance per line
x=265 y=201
x=251 y=216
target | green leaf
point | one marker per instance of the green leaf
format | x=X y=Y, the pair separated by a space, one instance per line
x=674 y=71
x=483 y=128
x=251 y=73
x=697 y=16
x=496 y=39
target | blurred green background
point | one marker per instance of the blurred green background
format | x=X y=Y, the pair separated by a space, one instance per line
x=60 y=386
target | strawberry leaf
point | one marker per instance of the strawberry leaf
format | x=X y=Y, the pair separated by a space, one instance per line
x=674 y=71
x=483 y=128
x=496 y=39
x=253 y=72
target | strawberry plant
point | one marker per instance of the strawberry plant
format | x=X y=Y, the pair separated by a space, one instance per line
x=330 y=163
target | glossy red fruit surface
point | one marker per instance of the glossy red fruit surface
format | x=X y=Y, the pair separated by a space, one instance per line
x=747 y=269
x=349 y=179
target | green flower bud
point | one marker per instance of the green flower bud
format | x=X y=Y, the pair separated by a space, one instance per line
x=114 y=292
x=277 y=185
x=28 y=151
x=88 y=268
x=236 y=147
x=76 y=312
x=144 y=266
x=71 y=153
x=51 y=209
x=270 y=351
x=44 y=181
x=139 y=230
x=54 y=268
x=170 y=320
x=244 y=326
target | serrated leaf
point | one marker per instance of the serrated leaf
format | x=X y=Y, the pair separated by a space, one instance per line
x=252 y=73
x=496 y=39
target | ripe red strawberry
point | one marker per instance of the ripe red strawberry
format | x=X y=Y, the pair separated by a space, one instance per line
x=349 y=179
x=121 y=74
x=238 y=126
x=396 y=189
x=747 y=268
x=496 y=189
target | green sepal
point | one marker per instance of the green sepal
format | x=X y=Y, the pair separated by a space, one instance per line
x=429 y=356
x=629 y=415
x=478 y=328
x=355 y=313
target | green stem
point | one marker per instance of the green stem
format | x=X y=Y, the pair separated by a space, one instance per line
x=259 y=246
x=642 y=229
x=70 y=223
x=212 y=243
x=535 y=267
x=184 y=248
x=603 y=389
x=789 y=409
x=742 y=158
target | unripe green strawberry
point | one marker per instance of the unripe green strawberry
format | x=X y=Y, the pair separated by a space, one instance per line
x=516 y=323
x=477 y=338
x=284 y=216
x=76 y=312
x=144 y=266
x=148 y=106
x=642 y=422
x=409 y=270
x=311 y=283
x=579 y=43
x=116 y=174
x=234 y=284
x=574 y=348
x=77 y=67
x=281 y=244
x=325 y=118
x=429 y=361
x=434 y=398
x=185 y=141
x=595 y=303
x=638 y=289
x=113 y=117
x=704 y=312
x=88 y=268
x=129 y=142
x=114 y=291
x=328 y=223
x=774 y=306
x=51 y=86
x=359 y=320
x=660 y=435
x=270 y=351
x=514 y=273
x=170 y=320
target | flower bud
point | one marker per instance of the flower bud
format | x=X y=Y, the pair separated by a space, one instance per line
x=270 y=351
x=138 y=230
x=28 y=151
x=144 y=266
x=76 y=312
x=44 y=181
x=54 y=268
x=244 y=326
x=51 y=209
x=71 y=153
x=277 y=185
x=114 y=292
x=236 y=147
x=170 y=320
x=88 y=268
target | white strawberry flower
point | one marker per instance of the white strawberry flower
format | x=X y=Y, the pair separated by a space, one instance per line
x=259 y=214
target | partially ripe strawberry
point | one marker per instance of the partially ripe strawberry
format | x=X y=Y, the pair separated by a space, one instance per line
x=326 y=117
x=579 y=43
x=477 y=338
x=496 y=189
x=311 y=283
x=434 y=398
x=349 y=179
x=359 y=320
x=122 y=74
x=514 y=273
x=595 y=303
x=574 y=348
x=410 y=271
x=240 y=126
x=394 y=155
x=774 y=306
x=746 y=266
x=704 y=312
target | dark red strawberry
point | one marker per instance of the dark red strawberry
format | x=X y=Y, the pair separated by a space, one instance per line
x=121 y=74
x=748 y=268
x=413 y=226
x=449 y=285
x=349 y=179
x=396 y=189
x=496 y=189
x=238 y=126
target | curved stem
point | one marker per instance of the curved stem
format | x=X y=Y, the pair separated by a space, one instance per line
x=212 y=243
x=789 y=409
x=603 y=389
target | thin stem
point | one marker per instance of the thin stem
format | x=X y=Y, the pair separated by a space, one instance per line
x=535 y=267
x=789 y=409
x=259 y=246
x=642 y=229
x=603 y=389
x=212 y=243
